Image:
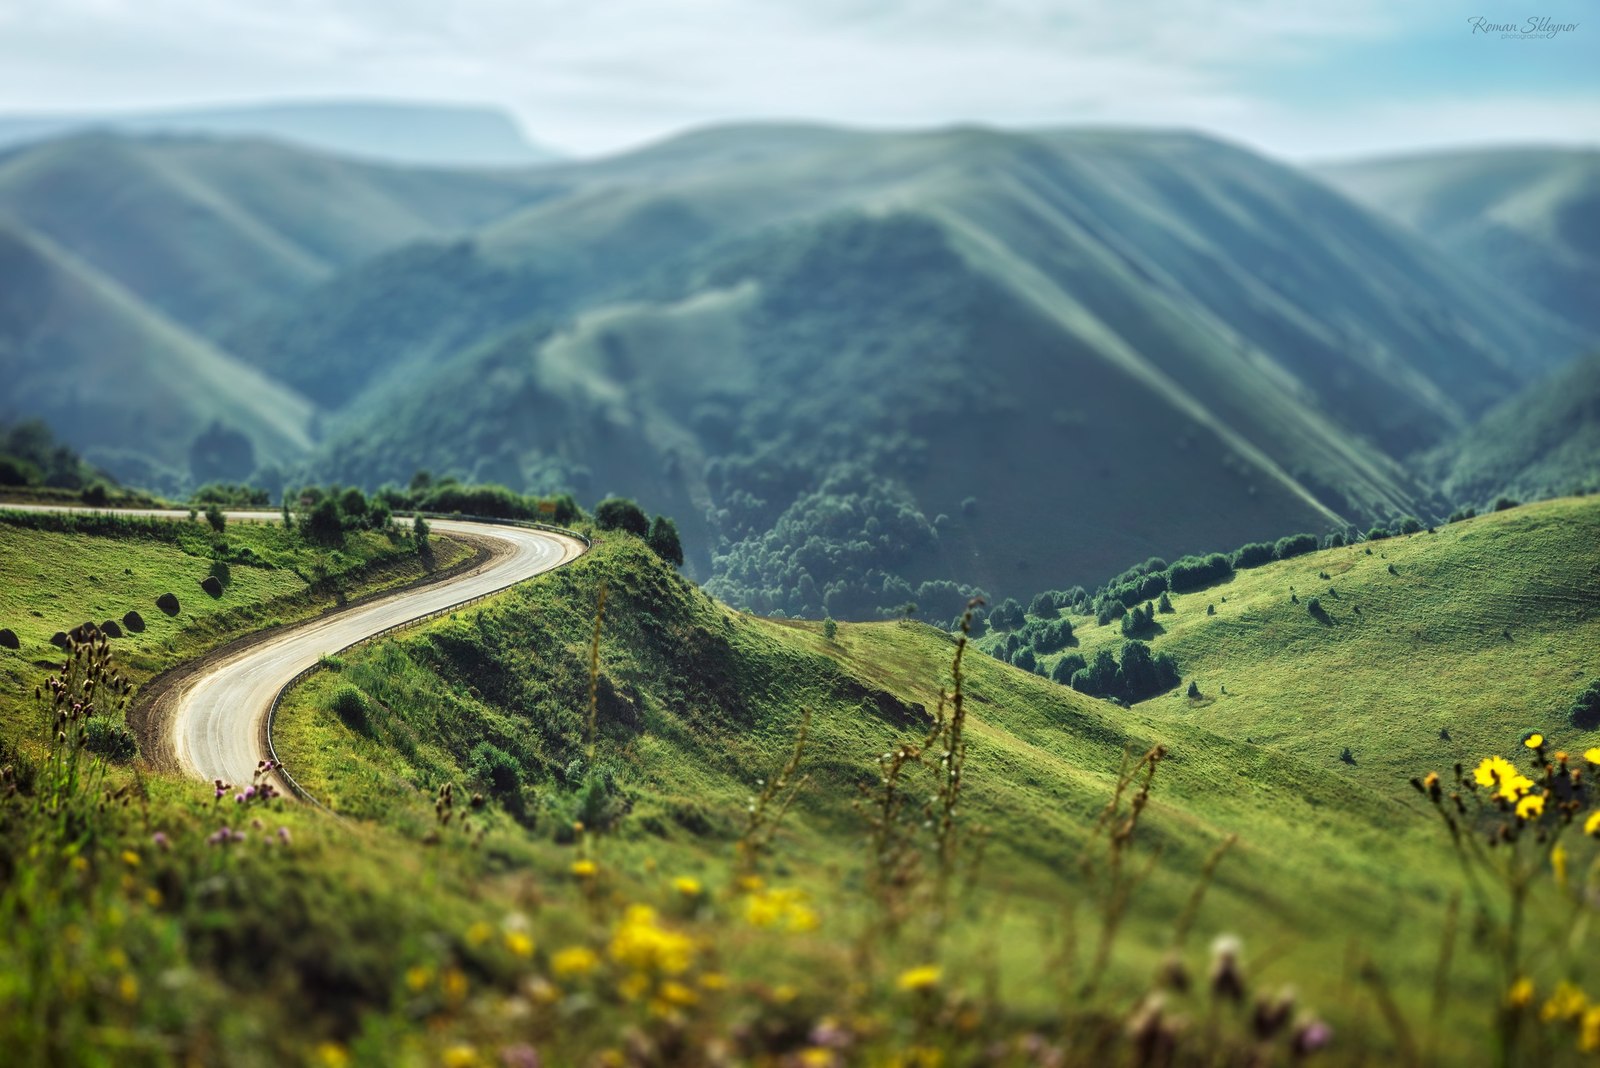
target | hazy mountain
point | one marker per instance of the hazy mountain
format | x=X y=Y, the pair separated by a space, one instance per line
x=958 y=355
x=1527 y=218
x=435 y=134
x=1542 y=442
x=213 y=232
x=129 y=387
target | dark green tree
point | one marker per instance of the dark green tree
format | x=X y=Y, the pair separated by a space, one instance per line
x=663 y=539
x=619 y=513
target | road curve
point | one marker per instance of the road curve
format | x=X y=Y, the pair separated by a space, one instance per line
x=219 y=717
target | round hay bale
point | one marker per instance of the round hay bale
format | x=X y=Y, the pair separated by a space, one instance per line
x=168 y=603
x=8 y=639
x=59 y=639
x=211 y=585
x=83 y=631
x=110 y=629
x=133 y=621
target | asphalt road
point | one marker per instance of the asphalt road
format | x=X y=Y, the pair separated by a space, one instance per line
x=219 y=717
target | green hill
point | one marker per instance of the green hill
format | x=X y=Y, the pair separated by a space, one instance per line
x=213 y=232
x=1542 y=442
x=1526 y=217
x=130 y=388
x=1029 y=333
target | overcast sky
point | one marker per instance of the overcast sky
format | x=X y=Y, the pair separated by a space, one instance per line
x=1296 y=79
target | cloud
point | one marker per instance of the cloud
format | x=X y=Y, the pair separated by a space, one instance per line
x=593 y=76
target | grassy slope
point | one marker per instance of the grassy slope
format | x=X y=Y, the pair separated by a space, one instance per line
x=1541 y=442
x=713 y=696
x=57 y=580
x=139 y=411
x=1486 y=629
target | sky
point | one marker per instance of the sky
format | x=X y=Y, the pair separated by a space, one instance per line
x=1298 y=80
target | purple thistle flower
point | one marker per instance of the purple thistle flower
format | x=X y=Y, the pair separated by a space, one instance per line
x=521 y=1055
x=1310 y=1037
x=161 y=841
x=283 y=835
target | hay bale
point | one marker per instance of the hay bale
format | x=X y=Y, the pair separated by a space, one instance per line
x=168 y=603
x=8 y=639
x=211 y=585
x=133 y=621
x=110 y=629
x=84 y=631
x=59 y=639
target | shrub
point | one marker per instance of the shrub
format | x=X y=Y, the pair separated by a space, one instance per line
x=419 y=527
x=663 y=540
x=1585 y=711
x=1502 y=503
x=1194 y=690
x=496 y=769
x=1254 y=554
x=1314 y=606
x=1067 y=667
x=1295 y=545
x=350 y=705
x=829 y=628
x=1211 y=609
x=1048 y=636
x=619 y=513
x=1043 y=606
x=215 y=516
x=1165 y=604
x=1025 y=659
x=1462 y=513
x=111 y=739
x=1007 y=615
x=1333 y=541
x=323 y=525
x=1378 y=533
x=1193 y=572
x=1410 y=525
x=353 y=508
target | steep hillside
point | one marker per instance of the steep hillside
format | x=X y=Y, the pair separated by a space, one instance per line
x=1019 y=333
x=1542 y=442
x=213 y=232
x=1527 y=218
x=130 y=388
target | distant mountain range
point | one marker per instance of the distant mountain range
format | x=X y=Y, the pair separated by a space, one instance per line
x=859 y=368
x=431 y=134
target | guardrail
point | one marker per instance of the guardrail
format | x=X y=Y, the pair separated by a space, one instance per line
x=277 y=698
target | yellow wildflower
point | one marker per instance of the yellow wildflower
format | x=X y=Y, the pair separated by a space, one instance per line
x=1500 y=773
x=585 y=869
x=784 y=993
x=519 y=944
x=924 y=977
x=80 y=864
x=688 y=886
x=676 y=993
x=1530 y=806
x=640 y=943
x=1592 y=824
x=1521 y=993
x=128 y=988
x=460 y=1055
x=1558 y=863
x=1592 y=755
x=749 y=884
x=332 y=1055
x=634 y=986
x=781 y=908
x=1567 y=1003
x=1534 y=740
x=153 y=898
x=574 y=960
x=714 y=981
x=130 y=858
x=454 y=984
x=418 y=976
x=1589 y=1030
x=116 y=958
x=817 y=1057
x=479 y=933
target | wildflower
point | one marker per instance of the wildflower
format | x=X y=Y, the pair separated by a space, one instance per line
x=161 y=841
x=1558 y=864
x=1227 y=978
x=460 y=1055
x=519 y=944
x=332 y=1055
x=521 y=1055
x=781 y=908
x=79 y=864
x=714 y=981
x=688 y=886
x=130 y=858
x=1589 y=1030
x=1309 y=1037
x=479 y=933
x=919 y=979
x=454 y=984
x=417 y=978
x=1520 y=996
x=585 y=869
x=818 y=1057
x=573 y=961
x=283 y=835
x=676 y=993
x=153 y=898
x=1530 y=806
x=640 y=943
x=1271 y=1016
x=128 y=988
x=1592 y=755
x=1500 y=773
x=1567 y=1003
x=1534 y=740
x=784 y=993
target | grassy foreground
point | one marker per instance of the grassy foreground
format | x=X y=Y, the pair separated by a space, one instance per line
x=564 y=852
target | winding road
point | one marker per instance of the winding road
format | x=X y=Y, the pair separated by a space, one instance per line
x=215 y=721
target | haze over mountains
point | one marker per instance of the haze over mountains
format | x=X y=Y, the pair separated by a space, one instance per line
x=859 y=368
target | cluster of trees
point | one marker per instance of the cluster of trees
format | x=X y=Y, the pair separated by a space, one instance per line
x=660 y=533
x=453 y=497
x=1139 y=674
x=326 y=514
x=31 y=456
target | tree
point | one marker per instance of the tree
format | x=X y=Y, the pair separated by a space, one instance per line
x=1165 y=604
x=1067 y=667
x=419 y=527
x=619 y=513
x=1025 y=659
x=663 y=539
x=829 y=628
x=353 y=507
x=1194 y=690
x=1043 y=606
x=218 y=520
x=322 y=525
